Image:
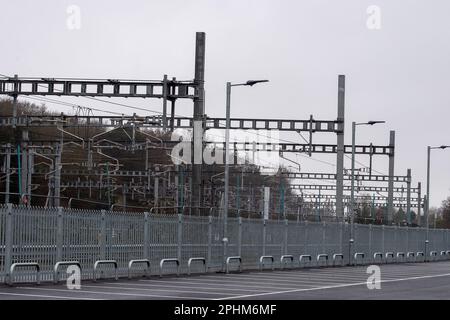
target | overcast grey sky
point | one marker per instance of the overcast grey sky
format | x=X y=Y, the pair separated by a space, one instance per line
x=399 y=73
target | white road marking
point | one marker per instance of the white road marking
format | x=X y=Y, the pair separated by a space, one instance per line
x=292 y=281
x=45 y=296
x=332 y=287
x=213 y=282
x=152 y=289
x=112 y=293
x=216 y=286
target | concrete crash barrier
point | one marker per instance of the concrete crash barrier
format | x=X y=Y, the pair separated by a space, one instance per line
x=105 y=262
x=170 y=260
x=10 y=281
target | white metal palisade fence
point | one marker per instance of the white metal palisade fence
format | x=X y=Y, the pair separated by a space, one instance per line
x=47 y=236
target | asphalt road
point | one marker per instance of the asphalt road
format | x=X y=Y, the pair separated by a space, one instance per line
x=398 y=281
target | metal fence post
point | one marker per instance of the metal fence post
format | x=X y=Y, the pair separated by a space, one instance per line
x=146 y=236
x=180 y=236
x=264 y=238
x=103 y=236
x=306 y=237
x=286 y=226
x=59 y=234
x=324 y=230
x=383 y=247
x=370 y=241
x=240 y=236
x=8 y=241
x=208 y=264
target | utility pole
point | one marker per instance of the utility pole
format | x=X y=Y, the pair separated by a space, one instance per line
x=164 y=115
x=16 y=90
x=199 y=112
x=391 y=177
x=8 y=172
x=30 y=165
x=419 y=203
x=408 y=197
x=340 y=149
x=24 y=167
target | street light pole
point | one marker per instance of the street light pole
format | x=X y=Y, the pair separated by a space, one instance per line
x=352 y=192
x=227 y=164
x=427 y=203
x=227 y=174
x=352 y=189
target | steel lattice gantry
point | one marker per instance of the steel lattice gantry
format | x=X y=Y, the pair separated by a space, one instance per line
x=169 y=90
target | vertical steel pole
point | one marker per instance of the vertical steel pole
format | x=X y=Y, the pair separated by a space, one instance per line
x=370 y=240
x=391 y=177
x=146 y=236
x=8 y=241
x=198 y=116
x=370 y=161
x=24 y=167
x=156 y=194
x=57 y=185
x=16 y=90
x=180 y=236
x=210 y=220
x=227 y=173
x=419 y=203
x=352 y=191
x=286 y=228
x=340 y=149
x=59 y=235
x=172 y=108
x=8 y=172
x=264 y=238
x=239 y=236
x=318 y=208
x=427 y=203
x=408 y=196
x=103 y=235
x=324 y=236
x=147 y=169
x=164 y=93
